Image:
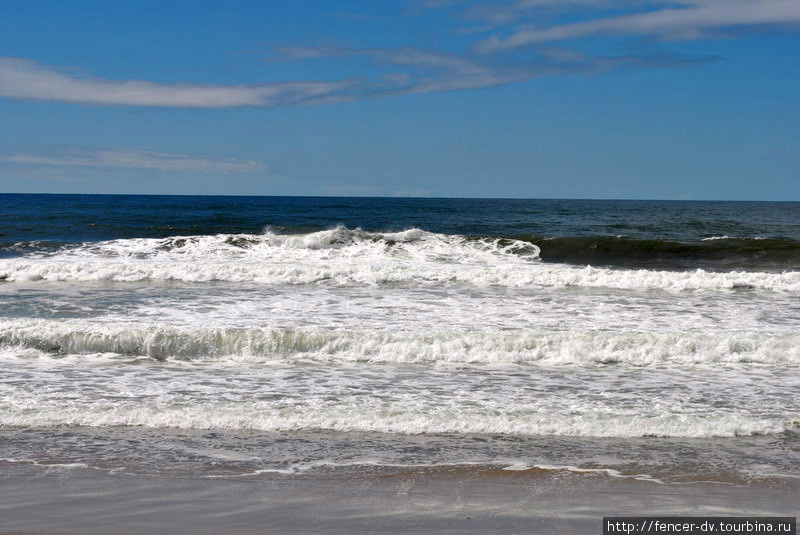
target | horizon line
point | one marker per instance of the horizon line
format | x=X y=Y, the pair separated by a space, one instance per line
x=403 y=197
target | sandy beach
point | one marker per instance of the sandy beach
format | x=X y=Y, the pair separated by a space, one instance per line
x=478 y=499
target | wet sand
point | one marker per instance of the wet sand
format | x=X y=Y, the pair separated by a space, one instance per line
x=482 y=500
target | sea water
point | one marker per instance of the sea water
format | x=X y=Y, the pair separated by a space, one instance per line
x=243 y=335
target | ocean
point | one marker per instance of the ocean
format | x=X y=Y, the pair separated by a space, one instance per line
x=238 y=337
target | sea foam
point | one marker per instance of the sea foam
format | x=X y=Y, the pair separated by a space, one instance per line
x=353 y=257
x=263 y=344
x=254 y=417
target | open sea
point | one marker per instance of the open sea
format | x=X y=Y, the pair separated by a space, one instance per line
x=239 y=336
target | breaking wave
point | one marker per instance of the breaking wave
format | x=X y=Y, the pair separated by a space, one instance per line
x=343 y=256
x=320 y=344
x=352 y=271
x=718 y=252
x=339 y=242
x=402 y=420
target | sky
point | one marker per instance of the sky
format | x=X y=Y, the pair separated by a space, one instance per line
x=605 y=99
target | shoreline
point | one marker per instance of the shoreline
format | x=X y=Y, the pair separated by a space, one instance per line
x=476 y=499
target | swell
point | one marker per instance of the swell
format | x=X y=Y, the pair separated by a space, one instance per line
x=11 y=249
x=716 y=252
x=265 y=344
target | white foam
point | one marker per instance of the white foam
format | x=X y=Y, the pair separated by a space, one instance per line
x=726 y=237
x=607 y=471
x=514 y=466
x=340 y=242
x=351 y=272
x=353 y=257
x=459 y=338
x=414 y=417
x=48 y=465
x=346 y=384
x=329 y=344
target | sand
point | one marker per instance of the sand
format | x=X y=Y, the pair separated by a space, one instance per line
x=481 y=500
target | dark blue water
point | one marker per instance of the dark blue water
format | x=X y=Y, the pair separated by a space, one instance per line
x=666 y=234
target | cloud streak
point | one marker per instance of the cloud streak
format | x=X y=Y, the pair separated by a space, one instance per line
x=430 y=71
x=24 y=79
x=523 y=54
x=136 y=159
x=692 y=21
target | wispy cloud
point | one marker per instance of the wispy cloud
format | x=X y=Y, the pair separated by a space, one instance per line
x=519 y=54
x=692 y=20
x=425 y=65
x=498 y=14
x=134 y=159
x=24 y=79
x=429 y=71
x=436 y=4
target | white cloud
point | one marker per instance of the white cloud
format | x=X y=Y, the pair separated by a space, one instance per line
x=691 y=21
x=136 y=159
x=24 y=79
x=504 y=13
x=432 y=71
x=436 y=4
x=415 y=57
x=420 y=71
x=405 y=55
x=495 y=63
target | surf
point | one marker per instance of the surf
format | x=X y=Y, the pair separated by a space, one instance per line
x=96 y=340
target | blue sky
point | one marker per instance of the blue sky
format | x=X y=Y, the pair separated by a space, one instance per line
x=644 y=99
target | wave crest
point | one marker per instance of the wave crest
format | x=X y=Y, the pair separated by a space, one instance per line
x=342 y=256
x=277 y=344
x=338 y=242
x=358 y=271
